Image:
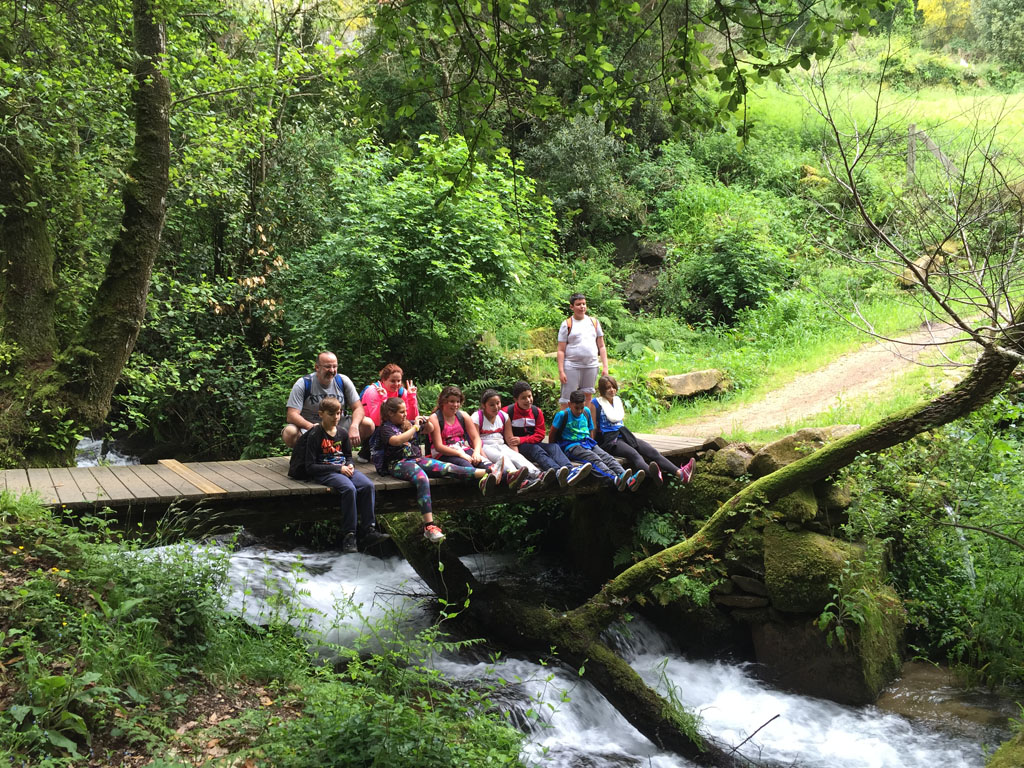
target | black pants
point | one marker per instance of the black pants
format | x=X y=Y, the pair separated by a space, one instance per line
x=639 y=457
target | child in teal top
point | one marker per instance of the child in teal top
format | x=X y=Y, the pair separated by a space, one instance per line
x=573 y=430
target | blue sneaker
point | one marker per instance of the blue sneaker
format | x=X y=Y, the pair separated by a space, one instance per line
x=578 y=474
x=622 y=481
x=634 y=482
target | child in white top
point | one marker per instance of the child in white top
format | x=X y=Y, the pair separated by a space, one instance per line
x=495 y=429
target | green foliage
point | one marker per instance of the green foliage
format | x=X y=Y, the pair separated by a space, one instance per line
x=740 y=267
x=104 y=642
x=414 y=263
x=945 y=501
x=1000 y=25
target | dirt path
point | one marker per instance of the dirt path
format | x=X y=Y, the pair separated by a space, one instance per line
x=868 y=370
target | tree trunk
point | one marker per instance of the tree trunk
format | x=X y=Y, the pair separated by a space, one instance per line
x=119 y=307
x=27 y=289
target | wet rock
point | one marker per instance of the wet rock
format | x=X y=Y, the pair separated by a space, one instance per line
x=741 y=601
x=1010 y=754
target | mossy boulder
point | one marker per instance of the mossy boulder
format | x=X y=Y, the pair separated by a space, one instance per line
x=1010 y=754
x=797 y=655
x=733 y=460
x=801 y=507
x=543 y=338
x=788 y=449
x=800 y=565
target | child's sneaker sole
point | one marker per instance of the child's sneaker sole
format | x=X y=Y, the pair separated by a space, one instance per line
x=562 y=476
x=635 y=481
x=487 y=483
x=549 y=477
x=655 y=472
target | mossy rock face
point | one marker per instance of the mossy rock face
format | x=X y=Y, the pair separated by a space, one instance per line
x=799 y=566
x=801 y=507
x=1010 y=754
x=701 y=497
x=543 y=338
x=797 y=656
x=879 y=640
x=733 y=460
x=790 y=448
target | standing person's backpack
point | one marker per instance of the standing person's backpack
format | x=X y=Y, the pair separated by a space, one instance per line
x=568 y=326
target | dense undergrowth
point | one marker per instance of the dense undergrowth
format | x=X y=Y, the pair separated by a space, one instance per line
x=116 y=654
x=948 y=507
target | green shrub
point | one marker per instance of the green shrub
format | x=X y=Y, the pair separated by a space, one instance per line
x=741 y=267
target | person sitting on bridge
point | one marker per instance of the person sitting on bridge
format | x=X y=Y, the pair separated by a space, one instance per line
x=573 y=429
x=495 y=429
x=327 y=459
x=307 y=392
x=454 y=437
x=373 y=396
x=394 y=452
x=614 y=436
x=527 y=422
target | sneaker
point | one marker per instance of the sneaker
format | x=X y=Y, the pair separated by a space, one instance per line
x=655 y=472
x=488 y=483
x=562 y=475
x=686 y=471
x=621 y=481
x=634 y=482
x=550 y=477
x=516 y=477
x=348 y=544
x=578 y=474
x=433 y=534
x=530 y=484
x=363 y=457
x=371 y=537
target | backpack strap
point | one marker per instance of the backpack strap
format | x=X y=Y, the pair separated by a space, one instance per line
x=568 y=324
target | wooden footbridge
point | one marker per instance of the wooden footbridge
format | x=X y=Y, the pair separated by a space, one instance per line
x=147 y=491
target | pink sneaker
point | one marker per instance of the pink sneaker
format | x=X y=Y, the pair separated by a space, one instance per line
x=686 y=471
x=433 y=534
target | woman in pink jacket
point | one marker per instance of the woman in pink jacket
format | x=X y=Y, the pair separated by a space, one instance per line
x=388 y=385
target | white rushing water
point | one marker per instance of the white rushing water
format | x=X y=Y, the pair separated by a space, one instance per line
x=89 y=453
x=570 y=723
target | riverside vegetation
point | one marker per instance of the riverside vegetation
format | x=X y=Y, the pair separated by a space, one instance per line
x=306 y=209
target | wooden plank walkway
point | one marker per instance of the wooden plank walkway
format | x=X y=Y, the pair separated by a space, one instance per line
x=171 y=482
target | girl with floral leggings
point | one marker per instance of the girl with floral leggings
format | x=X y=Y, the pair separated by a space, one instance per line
x=394 y=452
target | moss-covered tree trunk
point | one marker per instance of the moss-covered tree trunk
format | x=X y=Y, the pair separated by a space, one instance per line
x=576 y=633
x=40 y=401
x=119 y=307
x=27 y=289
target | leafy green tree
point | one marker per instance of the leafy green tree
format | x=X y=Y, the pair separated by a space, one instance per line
x=1000 y=25
x=49 y=382
x=413 y=261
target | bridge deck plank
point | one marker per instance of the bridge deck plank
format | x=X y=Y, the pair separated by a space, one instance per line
x=163 y=483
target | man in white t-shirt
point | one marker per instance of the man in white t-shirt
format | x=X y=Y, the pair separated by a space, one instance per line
x=581 y=351
x=302 y=409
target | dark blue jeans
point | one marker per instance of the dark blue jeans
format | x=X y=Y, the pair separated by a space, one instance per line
x=545 y=455
x=356 y=496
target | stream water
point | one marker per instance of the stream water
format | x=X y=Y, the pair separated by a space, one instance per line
x=579 y=728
